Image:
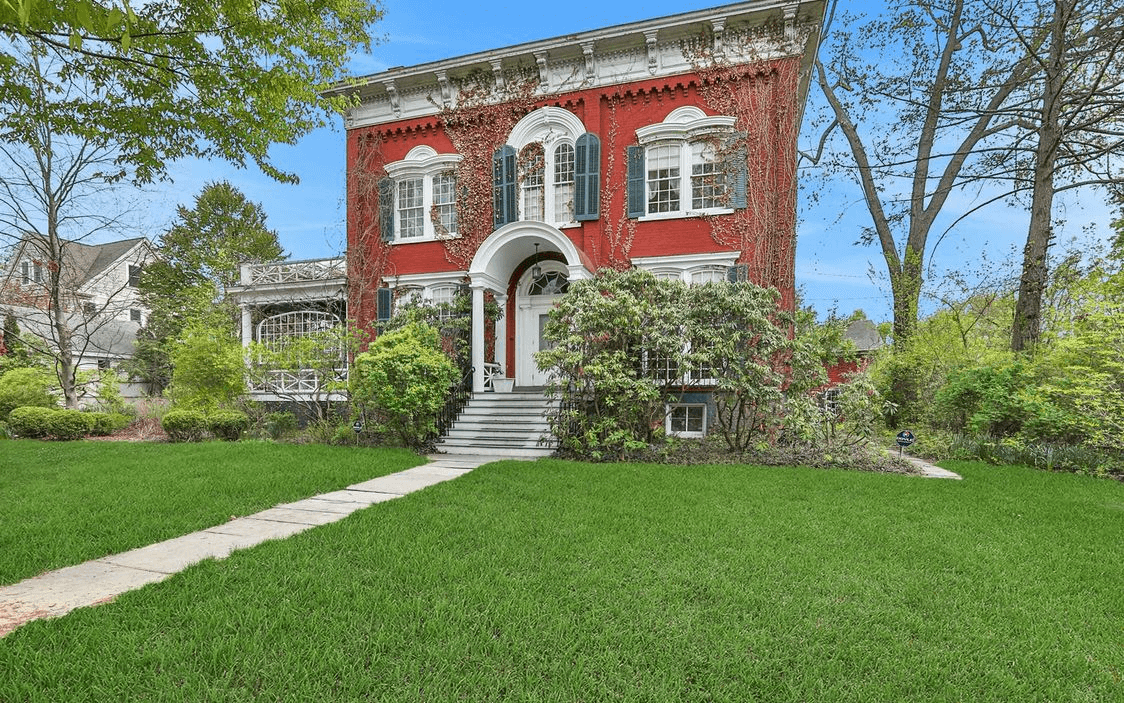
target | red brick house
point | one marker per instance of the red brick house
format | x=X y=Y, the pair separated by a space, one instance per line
x=668 y=144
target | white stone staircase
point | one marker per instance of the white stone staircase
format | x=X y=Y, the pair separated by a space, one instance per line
x=508 y=424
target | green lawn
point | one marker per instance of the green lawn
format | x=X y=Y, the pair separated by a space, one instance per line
x=572 y=582
x=62 y=503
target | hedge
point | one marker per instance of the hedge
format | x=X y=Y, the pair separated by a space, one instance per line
x=184 y=425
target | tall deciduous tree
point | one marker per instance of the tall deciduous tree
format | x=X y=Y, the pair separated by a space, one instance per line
x=172 y=79
x=914 y=94
x=56 y=191
x=1067 y=122
x=201 y=255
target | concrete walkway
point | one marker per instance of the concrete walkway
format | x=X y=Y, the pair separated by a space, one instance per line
x=931 y=470
x=58 y=592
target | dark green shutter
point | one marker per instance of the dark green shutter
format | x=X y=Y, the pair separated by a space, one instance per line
x=504 y=204
x=636 y=181
x=738 y=273
x=737 y=171
x=386 y=209
x=587 y=177
x=385 y=304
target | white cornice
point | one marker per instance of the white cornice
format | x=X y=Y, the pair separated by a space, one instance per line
x=599 y=58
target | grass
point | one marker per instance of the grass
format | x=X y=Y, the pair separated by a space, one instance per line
x=564 y=581
x=65 y=503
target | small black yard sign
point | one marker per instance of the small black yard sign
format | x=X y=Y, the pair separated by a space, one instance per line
x=905 y=438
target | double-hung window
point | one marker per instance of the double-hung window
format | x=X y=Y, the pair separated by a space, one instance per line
x=687 y=165
x=417 y=199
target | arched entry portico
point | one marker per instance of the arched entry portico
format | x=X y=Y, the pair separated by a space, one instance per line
x=495 y=263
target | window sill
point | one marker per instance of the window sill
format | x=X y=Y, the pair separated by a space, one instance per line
x=418 y=240
x=689 y=214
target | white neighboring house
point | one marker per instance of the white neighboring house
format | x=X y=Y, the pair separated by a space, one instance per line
x=99 y=298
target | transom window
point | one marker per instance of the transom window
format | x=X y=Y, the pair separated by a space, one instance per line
x=549 y=283
x=709 y=274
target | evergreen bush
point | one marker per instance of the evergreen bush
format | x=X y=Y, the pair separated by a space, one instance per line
x=228 y=425
x=184 y=425
x=68 y=424
x=30 y=422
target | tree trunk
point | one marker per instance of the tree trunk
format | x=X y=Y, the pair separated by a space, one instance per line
x=1027 y=324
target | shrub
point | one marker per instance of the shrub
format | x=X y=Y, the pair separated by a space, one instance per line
x=403 y=380
x=69 y=424
x=184 y=425
x=30 y=422
x=25 y=387
x=102 y=424
x=208 y=369
x=279 y=424
x=228 y=425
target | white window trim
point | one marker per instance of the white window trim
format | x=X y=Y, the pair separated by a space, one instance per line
x=551 y=127
x=685 y=433
x=682 y=126
x=685 y=264
x=425 y=163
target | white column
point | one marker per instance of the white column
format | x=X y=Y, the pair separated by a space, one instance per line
x=477 y=338
x=247 y=326
x=501 y=335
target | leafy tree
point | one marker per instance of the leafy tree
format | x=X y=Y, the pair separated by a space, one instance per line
x=175 y=79
x=25 y=387
x=616 y=359
x=928 y=70
x=625 y=345
x=56 y=191
x=402 y=381
x=741 y=342
x=1067 y=123
x=318 y=361
x=209 y=242
x=201 y=255
x=207 y=367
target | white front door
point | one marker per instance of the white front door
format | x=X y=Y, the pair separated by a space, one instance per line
x=534 y=301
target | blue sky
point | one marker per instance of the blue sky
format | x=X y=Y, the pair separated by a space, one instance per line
x=830 y=269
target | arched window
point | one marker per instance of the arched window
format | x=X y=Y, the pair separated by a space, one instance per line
x=688 y=164
x=417 y=199
x=549 y=171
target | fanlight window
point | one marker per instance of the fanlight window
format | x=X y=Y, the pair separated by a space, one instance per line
x=549 y=283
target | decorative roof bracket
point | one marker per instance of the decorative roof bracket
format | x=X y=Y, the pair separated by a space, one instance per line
x=395 y=101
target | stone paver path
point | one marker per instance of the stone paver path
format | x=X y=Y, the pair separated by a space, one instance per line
x=58 y=592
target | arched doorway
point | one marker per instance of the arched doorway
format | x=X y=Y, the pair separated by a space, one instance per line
x=535 y=294
x=494 y=267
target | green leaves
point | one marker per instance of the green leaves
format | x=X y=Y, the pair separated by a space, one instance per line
x=402 y=380
x=182 y=78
